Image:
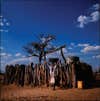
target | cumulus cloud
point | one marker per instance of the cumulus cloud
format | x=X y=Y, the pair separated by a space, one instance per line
x=94 y=16
x=18 y=54
x=4 y=24
x=95 y=7
x=83 y=45
x=97 y=56
x=83 y=20
x=90 y=48
x=3 y=54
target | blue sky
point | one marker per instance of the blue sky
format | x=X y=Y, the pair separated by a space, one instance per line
x=74 y=22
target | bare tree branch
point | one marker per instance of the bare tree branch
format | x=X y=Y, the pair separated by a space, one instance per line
x=40 y=49
x=57 y=49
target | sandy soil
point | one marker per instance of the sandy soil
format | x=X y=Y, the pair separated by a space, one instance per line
x=14 y=93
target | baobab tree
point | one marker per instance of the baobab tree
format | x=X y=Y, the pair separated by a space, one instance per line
x=43 y=47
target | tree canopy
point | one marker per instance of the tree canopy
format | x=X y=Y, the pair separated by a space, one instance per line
x=43 y=47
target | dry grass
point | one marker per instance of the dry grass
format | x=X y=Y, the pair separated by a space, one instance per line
x=14 y=93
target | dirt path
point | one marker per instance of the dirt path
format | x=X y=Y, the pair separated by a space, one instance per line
x=14 y=93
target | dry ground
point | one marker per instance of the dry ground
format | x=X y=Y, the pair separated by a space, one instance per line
x=14 y=93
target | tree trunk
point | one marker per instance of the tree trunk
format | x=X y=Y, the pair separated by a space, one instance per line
x=62 y=54
x=44 y=57
x=40 y=58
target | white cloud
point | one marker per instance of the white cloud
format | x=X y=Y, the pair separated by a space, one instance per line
x=53 y=55
x=1 y=24
x=1 y=48
x=65 y=50
x=97 y=56
x=72 y=44
x=7 y=24
x=57 y=54
x=23 y=56
x=43 y=39
x=1 y=16
x=9 y=55
x=94 y=16
x=90 y=48
x=3 y=30
x=71 y=54
x=83 y=20
x=3 y=54
x=70 y=48
x=83 y=45
x=96 y=6
x=30 y=59
x=18 y=54
x=4 y=19
x=4 y=24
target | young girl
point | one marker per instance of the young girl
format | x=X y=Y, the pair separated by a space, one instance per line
x=52 y=75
